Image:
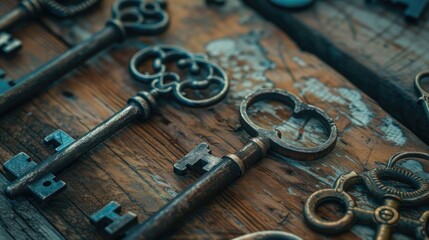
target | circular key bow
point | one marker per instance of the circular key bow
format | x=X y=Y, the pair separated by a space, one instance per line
x=201 y=74
x=387 y=216
x=300 y=109
x=139 y=17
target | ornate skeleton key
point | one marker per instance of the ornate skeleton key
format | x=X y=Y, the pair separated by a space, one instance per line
x=202 y=74
x=28 y=9
x=386 y=217
x=221 y=172
x=130 y=18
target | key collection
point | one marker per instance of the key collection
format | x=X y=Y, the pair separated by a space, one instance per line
x=200 y=84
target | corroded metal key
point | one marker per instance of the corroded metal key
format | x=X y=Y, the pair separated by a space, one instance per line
x=28 y=9
x=208 y=80
x=221 y=172
x=130 y=18
x=387 y=217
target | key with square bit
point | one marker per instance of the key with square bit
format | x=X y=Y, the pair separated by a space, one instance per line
x=130 y=18
x=208 y=81
x=28 y=9
x=221 y=172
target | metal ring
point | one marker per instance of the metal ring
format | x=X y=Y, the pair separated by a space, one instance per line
x=403 y=155
x=299 y=108
x=373 y=182
x=322 y=225
x=269 y=235
x=418 y=79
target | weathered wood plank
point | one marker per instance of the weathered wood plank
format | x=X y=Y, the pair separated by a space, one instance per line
x=134 y=167
x=371 y=44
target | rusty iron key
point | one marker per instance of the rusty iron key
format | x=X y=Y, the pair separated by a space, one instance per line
x=28 y=9
x=220 y=172
x=130 y=18
x=209 y=82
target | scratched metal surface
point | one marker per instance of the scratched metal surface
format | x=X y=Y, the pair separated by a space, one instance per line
x=134 y=167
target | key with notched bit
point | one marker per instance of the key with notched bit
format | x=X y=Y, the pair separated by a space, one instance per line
x=130 y=18
x=202 y=76
x=221 y=172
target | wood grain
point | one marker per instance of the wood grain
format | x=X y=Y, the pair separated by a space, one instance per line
x=134 y=167
x=371 y=44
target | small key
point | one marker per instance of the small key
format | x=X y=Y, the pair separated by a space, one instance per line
x=202 y=75
x=28 y=9
x=47 y=186
x=130 y=18
x=225 y=170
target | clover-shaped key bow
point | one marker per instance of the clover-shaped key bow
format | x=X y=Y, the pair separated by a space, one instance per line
x=386 y=217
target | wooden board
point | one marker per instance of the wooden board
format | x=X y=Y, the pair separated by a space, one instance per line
x=371 y=44
x=134 y=167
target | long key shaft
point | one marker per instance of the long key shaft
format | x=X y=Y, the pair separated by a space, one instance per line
x=30 y=84
x=84 y=144
x=115 y=31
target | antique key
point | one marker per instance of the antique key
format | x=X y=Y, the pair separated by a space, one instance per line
x=130 y=18
x=424 y=98
x=28 y=9
x=386 y=217
x=201 y=75
x=220 y=172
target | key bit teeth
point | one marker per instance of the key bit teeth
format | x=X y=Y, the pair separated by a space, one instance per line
x=59 y=139
x=199 y=159
x=110 y=224
x=43 y=189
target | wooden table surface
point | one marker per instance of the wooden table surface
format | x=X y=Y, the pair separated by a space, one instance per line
x=134 y=167
x=369 y=43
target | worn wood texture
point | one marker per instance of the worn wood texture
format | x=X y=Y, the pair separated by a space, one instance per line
x=134 y=167
x=371 y=44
